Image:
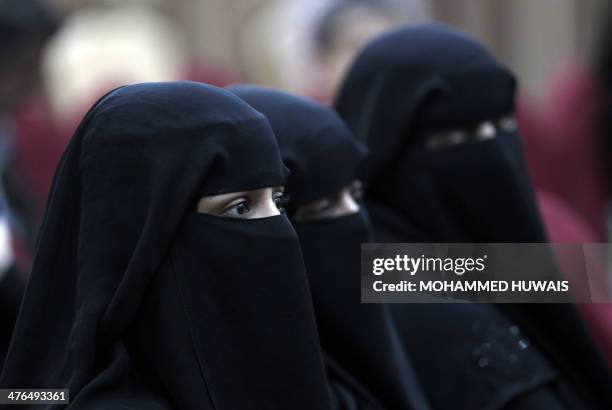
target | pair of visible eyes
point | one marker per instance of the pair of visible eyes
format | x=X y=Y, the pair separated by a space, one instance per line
x=323 y=206
x=484 y=131
x=242 y=206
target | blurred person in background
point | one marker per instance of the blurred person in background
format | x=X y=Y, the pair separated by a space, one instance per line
x=101 y=44
x=274 y=44
x=437 y=112
x=304 y=46
x=365 y=358
x=25 y=27
x=346 y=26
x=567 y=150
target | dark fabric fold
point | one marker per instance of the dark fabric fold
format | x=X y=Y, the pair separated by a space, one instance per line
x=405 y=88
x=361 y=339
x=118 y=307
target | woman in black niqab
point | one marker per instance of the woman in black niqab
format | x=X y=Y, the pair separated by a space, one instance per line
x=325 y=161
x=436 y=110
x=138 y=301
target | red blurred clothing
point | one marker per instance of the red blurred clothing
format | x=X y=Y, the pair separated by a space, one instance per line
x=563 y=141
x=38 y=147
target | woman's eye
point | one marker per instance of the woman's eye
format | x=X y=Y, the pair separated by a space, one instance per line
x=238 y=209
x=485 y=131
x=281 y=201
x=507 y=124
x=322 y=205
x=357 y=190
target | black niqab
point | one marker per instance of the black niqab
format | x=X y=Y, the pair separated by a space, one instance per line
x=323 y=158
x=404 y=87
x=136 y=300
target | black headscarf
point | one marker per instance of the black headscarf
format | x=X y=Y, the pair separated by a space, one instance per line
x=135 y=300
x=313 y=141
x=412 y=83
x=323 y=158
x=404 y=88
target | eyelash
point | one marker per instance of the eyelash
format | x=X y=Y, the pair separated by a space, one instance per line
x=230 y=208
x=357 y=190
x=280 y=200
x=322 y=205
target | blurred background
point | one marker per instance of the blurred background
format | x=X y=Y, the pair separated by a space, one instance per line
x=59 y=56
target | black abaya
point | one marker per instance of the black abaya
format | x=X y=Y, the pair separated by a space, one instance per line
x=405 y=89
x=137 y=301
x=324 y=158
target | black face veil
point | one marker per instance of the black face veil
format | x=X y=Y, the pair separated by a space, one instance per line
x=323 y=158
x=135 y=299
x=405 y=88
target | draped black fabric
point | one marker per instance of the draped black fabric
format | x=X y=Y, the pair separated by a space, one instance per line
x=406 y=87
x=315 y=144
x=136 y=301
x=11 y=291
x=401 y=89
x=323 y=157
